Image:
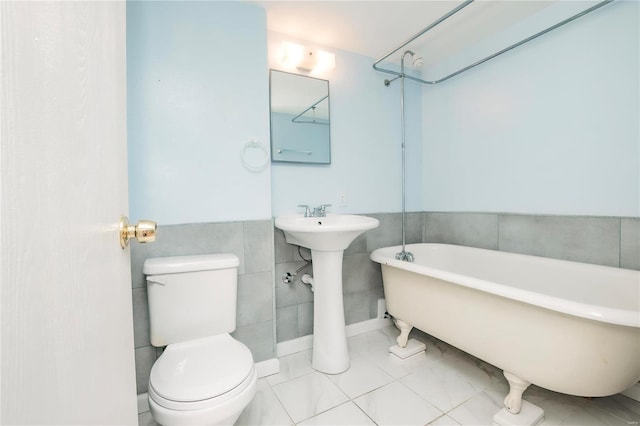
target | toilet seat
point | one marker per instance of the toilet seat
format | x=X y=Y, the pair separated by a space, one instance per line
x=201 y=373
x=221 y=410
x=217 y=401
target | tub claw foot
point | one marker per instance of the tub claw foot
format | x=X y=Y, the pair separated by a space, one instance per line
x=513 y=401
x=405 y=328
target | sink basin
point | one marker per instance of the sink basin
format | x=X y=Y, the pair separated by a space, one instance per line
x=329 y=233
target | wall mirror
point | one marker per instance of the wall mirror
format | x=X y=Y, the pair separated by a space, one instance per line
x=300 y=124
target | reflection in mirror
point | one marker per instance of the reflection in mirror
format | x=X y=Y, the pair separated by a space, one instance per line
x=299 y=118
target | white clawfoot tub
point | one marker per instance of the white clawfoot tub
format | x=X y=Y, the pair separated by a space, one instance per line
x=565 y=326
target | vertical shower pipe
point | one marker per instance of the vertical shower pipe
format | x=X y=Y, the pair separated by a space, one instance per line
x=404 y=254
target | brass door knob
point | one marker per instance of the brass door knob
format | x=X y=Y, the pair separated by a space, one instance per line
x=144 y=231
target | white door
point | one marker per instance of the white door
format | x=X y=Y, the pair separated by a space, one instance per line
x=67 y=333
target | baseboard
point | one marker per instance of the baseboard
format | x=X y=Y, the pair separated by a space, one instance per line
x=143 y=403
x=367 y=326
x=263 y=368
x=306 y=342
x=294 y=345
x=633 y=392
x=268 y=367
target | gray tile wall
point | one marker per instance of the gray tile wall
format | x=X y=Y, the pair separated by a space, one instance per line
x=582 y=239
x=465 y=229
x=610 y=241
x=602 y=240
x=630 y=243
x=252 y=242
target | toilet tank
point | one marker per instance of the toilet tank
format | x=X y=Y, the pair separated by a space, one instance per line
x=191 y=297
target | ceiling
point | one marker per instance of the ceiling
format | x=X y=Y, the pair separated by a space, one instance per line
x=374 y=28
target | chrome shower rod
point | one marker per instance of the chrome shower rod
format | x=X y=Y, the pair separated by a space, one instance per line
x=481 y=61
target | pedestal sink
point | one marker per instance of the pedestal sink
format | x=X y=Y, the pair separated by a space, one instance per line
x=327 y=237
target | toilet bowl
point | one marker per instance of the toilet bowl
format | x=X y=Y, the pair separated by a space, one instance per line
x=204 y=376
x=207 y=381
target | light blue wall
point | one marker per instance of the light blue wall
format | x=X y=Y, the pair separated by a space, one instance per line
x=365 y=144
x=552 y=127
x=549 y=128
x=197 y=92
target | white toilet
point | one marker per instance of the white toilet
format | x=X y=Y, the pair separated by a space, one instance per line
x=204 y=376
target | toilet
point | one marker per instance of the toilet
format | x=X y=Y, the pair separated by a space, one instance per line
x=204 y=376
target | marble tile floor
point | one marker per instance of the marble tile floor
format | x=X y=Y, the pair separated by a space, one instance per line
x=444 y=387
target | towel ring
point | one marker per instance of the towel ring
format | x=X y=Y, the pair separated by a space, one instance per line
x=253 y=165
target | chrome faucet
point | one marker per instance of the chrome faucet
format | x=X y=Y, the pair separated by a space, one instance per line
x=307 y=210
x=320 y=211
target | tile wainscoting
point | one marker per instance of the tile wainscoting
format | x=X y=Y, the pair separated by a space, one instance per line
x=263 y=253
x=611 y=241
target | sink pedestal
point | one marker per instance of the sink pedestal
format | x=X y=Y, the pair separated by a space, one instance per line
x=330 y=352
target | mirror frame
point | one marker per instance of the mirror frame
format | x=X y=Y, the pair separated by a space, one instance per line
x=271 y=120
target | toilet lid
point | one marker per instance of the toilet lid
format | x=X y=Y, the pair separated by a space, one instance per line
x=201 y=369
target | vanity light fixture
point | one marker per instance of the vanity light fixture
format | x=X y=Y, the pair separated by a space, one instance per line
x=306 y=59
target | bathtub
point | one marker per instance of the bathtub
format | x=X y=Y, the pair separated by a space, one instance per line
x=565 y=326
